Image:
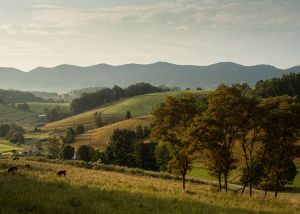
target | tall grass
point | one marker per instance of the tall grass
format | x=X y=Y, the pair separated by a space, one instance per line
x=39 y=190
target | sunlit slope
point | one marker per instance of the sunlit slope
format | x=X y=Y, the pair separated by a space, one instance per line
x=137 y=105
x=6 y=146
x=40 y=190
x=99 y=138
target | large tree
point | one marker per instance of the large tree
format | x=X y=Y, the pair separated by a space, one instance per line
x=85 y=153
x=171 y=121
x=53 y=147
x=216 y=130
x=120 y=151
x=249 y=136
x=281 y=128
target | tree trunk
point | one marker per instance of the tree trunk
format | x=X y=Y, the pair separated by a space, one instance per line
x=277 y=185
x=250 y=187
x=225 y=180
x=266 y=191
x=183 y=180
x=220 y=182
x=244 y=187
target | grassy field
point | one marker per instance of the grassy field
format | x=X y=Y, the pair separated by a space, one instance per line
x=38 y=107
x=6 y=146
x=99 y=138
x=138 y=106
x=12 y=114
x=28 y=119
x=39 y=190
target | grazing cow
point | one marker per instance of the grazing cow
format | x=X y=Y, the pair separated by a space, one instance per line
x=12 y=169
x=62 y=172
x=27 y=166
x=16 y=158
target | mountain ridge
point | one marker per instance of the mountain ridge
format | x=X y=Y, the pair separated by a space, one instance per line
x=66 y=77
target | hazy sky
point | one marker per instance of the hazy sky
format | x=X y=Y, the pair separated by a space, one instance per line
x=85 y=32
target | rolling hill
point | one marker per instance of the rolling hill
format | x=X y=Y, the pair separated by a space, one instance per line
x=9 y=113
x=99 y=138
x=137 y=105
x=64 y=78
x=12 y=114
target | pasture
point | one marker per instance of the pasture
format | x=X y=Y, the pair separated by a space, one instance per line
x=6 y=146
x=100 y=138
x=40 y=190
x=138 y=106
x=28 y=119
x=12 y=114
x=38 y=107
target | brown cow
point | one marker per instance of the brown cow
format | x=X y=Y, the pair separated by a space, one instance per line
x=62 y=172
x=12 y=169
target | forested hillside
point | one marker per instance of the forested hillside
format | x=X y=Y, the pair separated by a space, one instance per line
x=14 y=96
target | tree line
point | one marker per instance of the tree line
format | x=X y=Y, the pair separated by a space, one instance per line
x=234 y=130
x=12 y=132
x=88 y=101
x=56 y=113
x=14 y=96
x=288 y=84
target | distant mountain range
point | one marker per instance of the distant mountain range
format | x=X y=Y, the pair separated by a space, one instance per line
x=64 y=78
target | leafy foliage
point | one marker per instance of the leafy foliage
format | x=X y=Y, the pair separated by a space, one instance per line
x=170 y=125
x=85 y=153
x=289 y=84
x=67 y=152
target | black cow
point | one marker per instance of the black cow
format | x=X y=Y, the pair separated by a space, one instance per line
x=62 y=172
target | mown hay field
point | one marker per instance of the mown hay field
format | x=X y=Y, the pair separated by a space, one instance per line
x=100 y=138
x=40 y=190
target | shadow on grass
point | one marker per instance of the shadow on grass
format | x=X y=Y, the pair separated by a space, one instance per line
x=24 y=194
x=292 y=189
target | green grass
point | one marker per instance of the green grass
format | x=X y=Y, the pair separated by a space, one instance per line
x=12 y=114
x=39 y=190
x=297 y=181
x=38 y=107
x=28 y=119
x=200 y=173
x=143 y=104
x=6 y=146
x=137 y=105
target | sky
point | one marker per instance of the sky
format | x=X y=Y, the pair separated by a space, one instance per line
x=199 y=32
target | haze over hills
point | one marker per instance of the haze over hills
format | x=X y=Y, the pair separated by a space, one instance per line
x=64 y=78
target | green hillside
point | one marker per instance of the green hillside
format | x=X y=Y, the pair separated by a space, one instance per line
x=12 y=114
x=9 y=114
x=138 y=106
x=38 y=107
x=6 y=146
